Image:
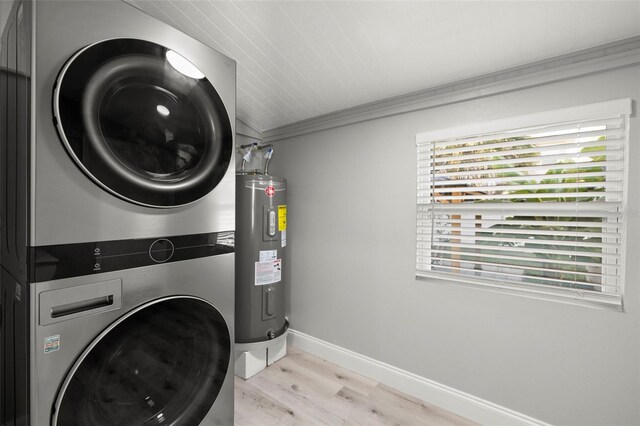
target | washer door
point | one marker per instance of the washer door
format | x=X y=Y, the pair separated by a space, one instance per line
x=163 y=363
x=143 y=122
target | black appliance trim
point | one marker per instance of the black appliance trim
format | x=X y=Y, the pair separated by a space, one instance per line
x=80 y=259
x=15 y=347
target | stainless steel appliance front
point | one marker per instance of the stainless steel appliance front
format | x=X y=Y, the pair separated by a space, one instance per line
x=68 y=206
x=139 y=344
x=63 y=287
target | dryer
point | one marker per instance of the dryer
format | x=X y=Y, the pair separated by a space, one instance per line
x=134 y=126
x=118 y=214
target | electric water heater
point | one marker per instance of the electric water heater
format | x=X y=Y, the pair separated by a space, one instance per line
x=261 y=242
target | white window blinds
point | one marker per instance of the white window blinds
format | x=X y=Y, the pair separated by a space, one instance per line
x=532 y=204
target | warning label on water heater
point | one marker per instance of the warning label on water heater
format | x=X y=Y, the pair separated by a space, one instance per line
x=268 y=272
x=267 y=255
x=282 y=217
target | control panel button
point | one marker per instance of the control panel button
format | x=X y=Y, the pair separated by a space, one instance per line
x=161 y=250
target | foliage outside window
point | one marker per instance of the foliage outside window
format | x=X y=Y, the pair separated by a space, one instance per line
x=532 y=205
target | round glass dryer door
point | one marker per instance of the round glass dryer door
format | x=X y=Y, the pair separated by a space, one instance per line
x=143 y=122
x=162 y=364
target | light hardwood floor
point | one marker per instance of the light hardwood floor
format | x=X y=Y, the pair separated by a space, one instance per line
x=302 y=389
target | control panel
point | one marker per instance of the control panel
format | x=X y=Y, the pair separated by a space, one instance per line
x=73 y=260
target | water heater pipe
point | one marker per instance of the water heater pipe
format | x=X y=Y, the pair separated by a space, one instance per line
x=247 y=155
x=267 y=157
x=255 y=147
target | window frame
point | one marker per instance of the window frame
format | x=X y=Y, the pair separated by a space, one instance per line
x=621 y=107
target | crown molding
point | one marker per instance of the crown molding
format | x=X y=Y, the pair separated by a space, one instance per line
x=242 y=128
x=610 y=56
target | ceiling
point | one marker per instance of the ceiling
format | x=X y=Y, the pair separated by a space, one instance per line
x=302 y=59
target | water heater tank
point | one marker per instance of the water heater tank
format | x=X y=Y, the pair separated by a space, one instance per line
x=261 y=239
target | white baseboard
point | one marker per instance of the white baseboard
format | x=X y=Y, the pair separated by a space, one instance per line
x=463 y=404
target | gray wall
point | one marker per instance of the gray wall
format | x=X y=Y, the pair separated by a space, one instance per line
x=5 y=9
x=352 y=203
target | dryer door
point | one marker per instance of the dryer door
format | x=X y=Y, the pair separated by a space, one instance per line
x=163 y=363
x=143 y=122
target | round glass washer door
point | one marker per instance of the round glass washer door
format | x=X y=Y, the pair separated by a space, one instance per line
x=161 y=364
x=143 y=122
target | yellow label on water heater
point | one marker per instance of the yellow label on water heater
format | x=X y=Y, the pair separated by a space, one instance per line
x=282 y=217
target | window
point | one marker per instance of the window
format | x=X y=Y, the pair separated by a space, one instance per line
x=533 y=205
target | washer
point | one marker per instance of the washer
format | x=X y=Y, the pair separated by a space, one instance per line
x=118 y=215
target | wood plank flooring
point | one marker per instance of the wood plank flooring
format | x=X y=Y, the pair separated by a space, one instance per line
x=302 y=389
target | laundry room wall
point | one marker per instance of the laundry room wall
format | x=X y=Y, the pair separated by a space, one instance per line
x=352 y=207
x=5 y=9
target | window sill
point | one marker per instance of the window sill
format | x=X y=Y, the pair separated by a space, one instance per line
x=611 y=302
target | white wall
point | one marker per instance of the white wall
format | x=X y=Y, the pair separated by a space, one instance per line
x=352 y=203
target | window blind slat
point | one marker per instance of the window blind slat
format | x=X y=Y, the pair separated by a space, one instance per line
x=551 y=160
x=567 y=128
x=490 y=227
x=523 y=186
x=511 y=260
x=592 y=208
x=529 y=269
x=615 y=195
x=533 y=286
x=533 y=233
x=425 y=181
x=472 y=223
x=427 y=240
x=561 y=140
x=521 y=249
x=613 y=165
x=524 y=148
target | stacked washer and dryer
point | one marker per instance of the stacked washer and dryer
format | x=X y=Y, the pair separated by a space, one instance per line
x=118 y=209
